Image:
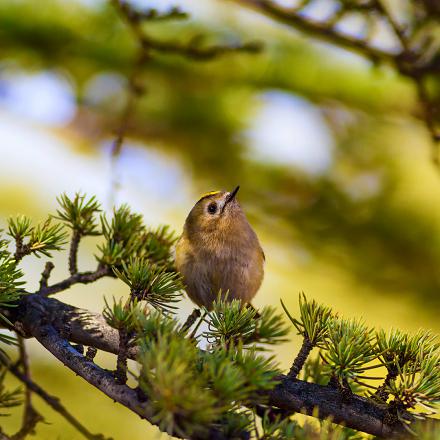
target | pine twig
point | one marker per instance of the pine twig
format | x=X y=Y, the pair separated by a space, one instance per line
x=121 y=363
x=53 y=402
x=31 y=417
x=91 y=353
x=78 y=278
x=191 y=320
x=301 y=358
x=46 y=274
x=91 y=329
x=381 y=392
x=73 y=253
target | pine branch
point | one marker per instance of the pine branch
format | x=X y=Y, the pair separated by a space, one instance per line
x=121 y=364
x=405 y=59
x=90 y=329
x=382 y=393
x=359 y=413
x=191 y=50
x=301 y=358
x=78 y=278
x=73 y=252
x=317 y=29
x=45 y=275
x=30 y=416
x=52 y=401
x=101 y=379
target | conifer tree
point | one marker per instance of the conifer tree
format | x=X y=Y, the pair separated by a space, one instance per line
x=221 y=382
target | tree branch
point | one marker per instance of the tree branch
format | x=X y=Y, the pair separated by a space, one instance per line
x=317 y=29
x=81 y=277
x=30 y=416
x=73 y=253
x=44 y=318
x=133 y=399
x=301 y=358
x=403 y=59
x=54 y=403
x=358 y=413
x=46 y=274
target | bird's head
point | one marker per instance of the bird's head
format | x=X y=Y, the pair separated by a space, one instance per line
x=217 y=212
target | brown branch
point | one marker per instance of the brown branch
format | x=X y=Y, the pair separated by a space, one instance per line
x=404 y=60
x=121 y=363
x=318 y=29
x=301 y=358
x=53 y=402
x=382 y=392
x=358 y=413
x=45 y=275
x=78 y=278
x=73 y=253
x=30 y=416
x=191 y=49
x=101 y=379
x=90 y=329
x=192 y=318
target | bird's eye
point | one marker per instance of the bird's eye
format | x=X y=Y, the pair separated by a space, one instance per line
x=212 y=208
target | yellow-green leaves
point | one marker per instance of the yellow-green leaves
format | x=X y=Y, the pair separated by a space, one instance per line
x=38 y=240
x=79 y=213
x=151 y=283
x=313 y=322
x=232 y=322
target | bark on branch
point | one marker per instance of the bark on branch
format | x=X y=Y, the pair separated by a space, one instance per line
x=45 y=318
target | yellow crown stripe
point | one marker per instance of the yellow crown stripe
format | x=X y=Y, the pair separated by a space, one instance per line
x=209 y=194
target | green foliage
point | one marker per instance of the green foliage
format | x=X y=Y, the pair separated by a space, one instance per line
x=349 y=346
x=157 y=245
x=314 y=320
x=235 y=375
x=226 y=379
x=315 y=371
x=180 y=400
x=8 y=399
x=330 y=431
x=271 y=327
x=152 y=323
x=417 y=386
x=260 y=372
x=192 y=388
x=46 y=237
x=234 y=423
x=229 y=322
x=10 y=283
x=41 y=239
x=151 y=283
x=283 y=429
x=122 y=236
x=121 y=315
x=19 y=227
x=398 y=348
x=279 y=428
x=79 y=213
x=127 y=237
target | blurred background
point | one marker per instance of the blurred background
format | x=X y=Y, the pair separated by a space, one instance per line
x=333 y=160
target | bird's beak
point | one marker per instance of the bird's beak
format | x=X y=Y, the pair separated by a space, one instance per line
x=231 y=196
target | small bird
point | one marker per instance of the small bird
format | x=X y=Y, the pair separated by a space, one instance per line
x=219 y=251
